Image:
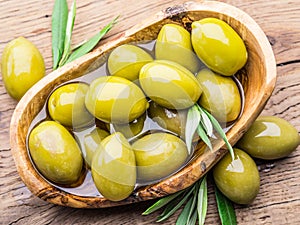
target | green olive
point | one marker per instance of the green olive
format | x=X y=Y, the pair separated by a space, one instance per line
x=221 y=96
x=55 y=153
x=127 y=60
x=91 y=142
x=169 y=84
x=218 y=46
x=270 y=137
x=22 y=66
x=170 y=119
x=66 y=105
x=158 y=155
x=113 y=168
x=174 y=43
x=115 y=99
x=131 y=129
x=239 y=179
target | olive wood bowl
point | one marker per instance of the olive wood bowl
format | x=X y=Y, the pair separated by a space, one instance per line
x=258 y=79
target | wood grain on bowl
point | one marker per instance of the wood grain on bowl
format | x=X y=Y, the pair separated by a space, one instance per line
x=257 y=77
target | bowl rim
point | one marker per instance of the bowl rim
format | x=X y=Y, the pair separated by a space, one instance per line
x=46 y=191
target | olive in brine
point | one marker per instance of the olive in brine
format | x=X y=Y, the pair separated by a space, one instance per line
x=66 y=105
x=169 y=84
x=55 y=153
x=221 y=96
x=237 y=179
x=174 y=43
x=131 y=129
x=113 y=168
x=170 y=119
x=127 y=60
x=218 y=46
x=115 y=99
x=91 y=142
x=158 y=155
x=270 y=137
x=21 y=67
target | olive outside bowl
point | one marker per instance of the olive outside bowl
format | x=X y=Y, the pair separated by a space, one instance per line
x=258 y=80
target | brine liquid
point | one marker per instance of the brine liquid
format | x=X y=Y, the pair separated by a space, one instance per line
x=87 y=187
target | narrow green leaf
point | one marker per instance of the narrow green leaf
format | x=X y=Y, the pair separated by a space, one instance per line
x=205 y=122
x=225 y=209
x=90 y=44
x=193 y=219
x=58 y=30
x=202 y=134
x=193 y=206
x=219 y=129
x=184 y=215
x=192 y=122
x=169 y=207
x=162 y=202
x=171 y=210
x=202 y=201
x=68 y=36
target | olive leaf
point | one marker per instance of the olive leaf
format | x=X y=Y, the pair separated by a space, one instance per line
x=220 y=131
x=176 y=205
x=58 y=30
x=193 y=207
x=161 y=203
x=192 y=122
x=202 y=134
x=193 y=219
x=186 y=215
x=91 y=43
x=202 y=201
x=194 y=198
x=225 y=209
x=205 y=122
x=68 y=34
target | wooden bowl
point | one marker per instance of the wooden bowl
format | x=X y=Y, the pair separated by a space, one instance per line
x=258 y=80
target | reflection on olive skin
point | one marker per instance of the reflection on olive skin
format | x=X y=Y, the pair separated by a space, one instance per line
x=236 y=166
x=272 y=130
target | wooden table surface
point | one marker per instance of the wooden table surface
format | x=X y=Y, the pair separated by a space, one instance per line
x=278 y=201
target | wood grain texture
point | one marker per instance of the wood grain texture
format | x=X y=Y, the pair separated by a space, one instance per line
x=278 y=201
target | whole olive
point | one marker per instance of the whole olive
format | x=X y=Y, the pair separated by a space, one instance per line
x=66 y=105
x=169 y=84
x=127 y=60
x=131 y=129
x=115 y=99
x=221 y=96
x=218 y=46
x=170 y=119
x=55 y=152
x=91 y=142
x=270 y=137
x=174 y=43
x=237 y=179
x=113 y=168
x=22 y=66
x=158 y=155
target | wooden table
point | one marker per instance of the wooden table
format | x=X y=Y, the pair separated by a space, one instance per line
x=278 y=201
